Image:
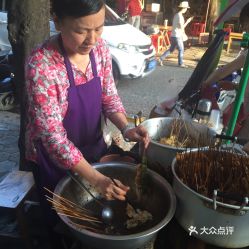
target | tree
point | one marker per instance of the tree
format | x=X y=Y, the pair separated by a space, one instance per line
x=28 y=25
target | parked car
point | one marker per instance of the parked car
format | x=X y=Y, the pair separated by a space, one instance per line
x=133 y=54
x=4 y=41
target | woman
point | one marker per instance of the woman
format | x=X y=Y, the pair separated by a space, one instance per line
x=227 y=69
x=69 y=85
x=178 y=35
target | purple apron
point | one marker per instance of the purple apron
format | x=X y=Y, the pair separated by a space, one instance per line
x=82 y=123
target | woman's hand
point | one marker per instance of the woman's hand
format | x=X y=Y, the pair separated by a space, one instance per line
x=138 y=134
x=102 y=183
x=190 y=19
x=109 y=190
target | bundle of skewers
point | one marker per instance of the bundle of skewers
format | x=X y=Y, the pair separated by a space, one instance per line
x=177 y=138
x=185 y=135
x=214 y=169
x=79 y=216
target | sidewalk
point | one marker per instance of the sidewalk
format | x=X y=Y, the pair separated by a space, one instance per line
x=193 y=54
x=9 y=133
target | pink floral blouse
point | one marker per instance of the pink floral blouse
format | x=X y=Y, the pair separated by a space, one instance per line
x=47 y=84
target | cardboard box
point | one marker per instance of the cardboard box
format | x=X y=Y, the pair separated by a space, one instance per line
x=148 y=7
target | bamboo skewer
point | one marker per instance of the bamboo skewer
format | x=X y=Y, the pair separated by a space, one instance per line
x=78 y=217
x=65 y=207
x=65 y=200
x=72 y=213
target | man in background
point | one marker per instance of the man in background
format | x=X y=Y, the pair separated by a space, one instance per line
x=134 y=8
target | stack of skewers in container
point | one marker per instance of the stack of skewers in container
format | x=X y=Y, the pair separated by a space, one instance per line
x=212 y=190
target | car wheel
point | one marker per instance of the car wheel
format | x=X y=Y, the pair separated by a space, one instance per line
x=115 y=72
x=7 y=101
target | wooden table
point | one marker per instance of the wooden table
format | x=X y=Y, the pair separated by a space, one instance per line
x=167 y=28
x=233 y=36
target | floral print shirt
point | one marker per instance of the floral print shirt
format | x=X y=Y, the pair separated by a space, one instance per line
x=47 y=88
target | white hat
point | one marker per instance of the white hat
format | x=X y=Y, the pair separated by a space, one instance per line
x=184 y=4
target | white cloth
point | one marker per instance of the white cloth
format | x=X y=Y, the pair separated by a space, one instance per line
x=178 y=26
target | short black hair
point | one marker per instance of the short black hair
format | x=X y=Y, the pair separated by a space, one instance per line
x=76 y=8
x=244 y=15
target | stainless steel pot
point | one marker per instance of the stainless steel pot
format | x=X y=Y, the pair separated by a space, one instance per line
x=160 y=156
x=216 y=223
x=161 y=201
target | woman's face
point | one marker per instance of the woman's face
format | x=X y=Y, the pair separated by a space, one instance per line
x=184 y=10
x=80 y=35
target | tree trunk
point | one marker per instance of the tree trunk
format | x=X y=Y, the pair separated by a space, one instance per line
x=28 y=25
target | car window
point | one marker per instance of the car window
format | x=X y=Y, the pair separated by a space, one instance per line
x=112 y=19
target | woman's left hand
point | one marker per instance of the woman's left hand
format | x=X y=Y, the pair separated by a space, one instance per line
x=138 y=134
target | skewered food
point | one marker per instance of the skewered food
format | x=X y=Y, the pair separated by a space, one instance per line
x=185 y=135
x=174 y=141
x=178 y=136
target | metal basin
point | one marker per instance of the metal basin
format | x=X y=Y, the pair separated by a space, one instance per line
x=160 y=156
x=160 y=202
x=218 y=223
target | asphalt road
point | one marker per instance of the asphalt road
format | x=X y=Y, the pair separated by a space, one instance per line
x=143 y=94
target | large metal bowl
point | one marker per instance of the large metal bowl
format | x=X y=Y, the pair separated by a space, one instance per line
x=160 y=156
x=160 y=202
x=219 y=224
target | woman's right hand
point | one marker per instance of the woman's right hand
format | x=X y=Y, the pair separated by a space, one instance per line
x=103 y=184
x=190 y=19
x=109 y=190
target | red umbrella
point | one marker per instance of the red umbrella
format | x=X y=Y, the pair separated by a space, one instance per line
x=234 y=8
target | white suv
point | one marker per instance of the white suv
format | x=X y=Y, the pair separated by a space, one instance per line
x=133 y=54
x=132 y=51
